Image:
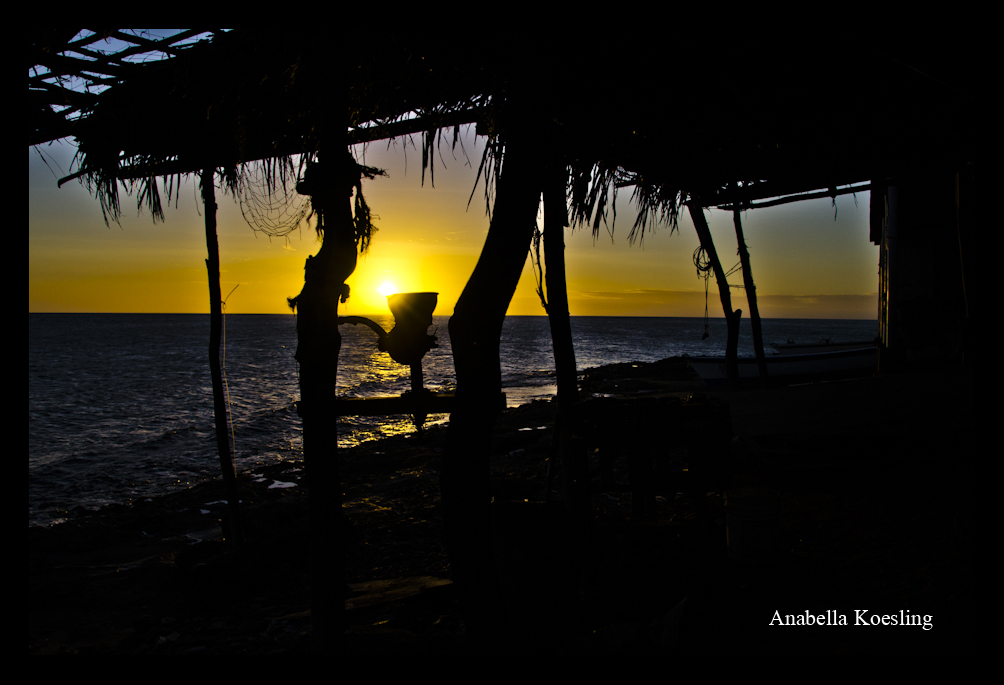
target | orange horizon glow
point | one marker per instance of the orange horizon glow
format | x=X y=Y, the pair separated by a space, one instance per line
x=805 y=263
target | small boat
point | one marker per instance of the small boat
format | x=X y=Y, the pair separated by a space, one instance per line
x=792 y=347
x=793 y=368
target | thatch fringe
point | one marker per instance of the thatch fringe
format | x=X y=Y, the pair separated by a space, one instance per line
x=593 y=194
x=104 y=180
x=657 y=204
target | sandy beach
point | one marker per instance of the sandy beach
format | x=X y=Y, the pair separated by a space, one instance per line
x=870 y=521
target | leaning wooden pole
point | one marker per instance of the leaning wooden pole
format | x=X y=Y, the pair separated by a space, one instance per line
x=744 y=258
x=731 y=317
x=215 y=369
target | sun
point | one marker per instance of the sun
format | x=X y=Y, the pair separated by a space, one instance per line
x=387 y=288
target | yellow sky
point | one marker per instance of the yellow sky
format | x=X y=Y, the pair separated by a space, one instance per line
x=806 y=264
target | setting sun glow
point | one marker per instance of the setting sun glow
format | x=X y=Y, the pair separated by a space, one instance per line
x=808 y=260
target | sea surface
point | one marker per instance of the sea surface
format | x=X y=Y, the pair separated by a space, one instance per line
x=120 y=406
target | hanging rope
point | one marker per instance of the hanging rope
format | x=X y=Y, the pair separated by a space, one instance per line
x=226 y=385
x=703 y=265
x=704 y=268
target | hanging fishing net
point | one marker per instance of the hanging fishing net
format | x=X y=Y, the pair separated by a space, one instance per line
x=268 y=198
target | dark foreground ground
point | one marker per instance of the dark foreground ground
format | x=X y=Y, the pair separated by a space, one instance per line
x=865 y=515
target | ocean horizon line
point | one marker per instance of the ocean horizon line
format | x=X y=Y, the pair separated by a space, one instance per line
x=508 y=316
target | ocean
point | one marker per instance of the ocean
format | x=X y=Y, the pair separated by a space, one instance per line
x=120 y=405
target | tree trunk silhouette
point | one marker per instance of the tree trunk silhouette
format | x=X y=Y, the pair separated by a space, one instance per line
x=731 y=317
x=215 y=333
x=744 y=258
x=475 y=329
x=318 y=346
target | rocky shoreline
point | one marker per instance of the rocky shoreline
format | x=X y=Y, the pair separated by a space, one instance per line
x=157 y=577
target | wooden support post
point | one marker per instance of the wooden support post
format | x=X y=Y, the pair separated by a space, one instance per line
x=731 y=317
x=215 y=333
x=572 y=453
x=744 y=258
x=555 y=221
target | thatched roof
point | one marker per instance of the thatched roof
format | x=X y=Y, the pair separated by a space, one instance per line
x=723 y=126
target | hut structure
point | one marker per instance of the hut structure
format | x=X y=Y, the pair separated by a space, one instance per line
x=683 y=131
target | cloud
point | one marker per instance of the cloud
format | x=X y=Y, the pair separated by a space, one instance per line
x=687 y=303
x=638 y=294
x=818 y=306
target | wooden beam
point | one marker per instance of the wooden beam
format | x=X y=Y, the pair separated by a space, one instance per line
x=355 y=136
x=730 y=203
x=411 y=126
